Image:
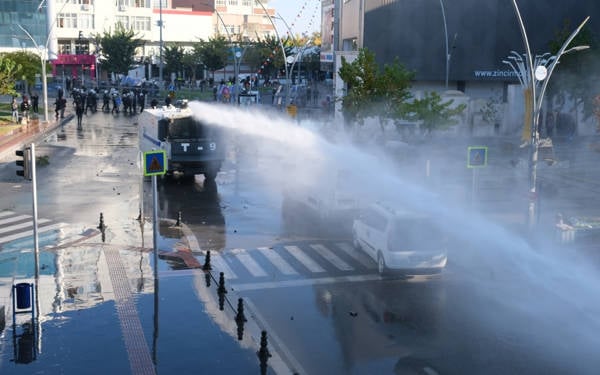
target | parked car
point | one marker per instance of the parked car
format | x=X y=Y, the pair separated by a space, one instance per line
x=400 y=240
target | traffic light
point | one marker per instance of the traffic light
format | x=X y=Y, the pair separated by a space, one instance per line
x=25 y=162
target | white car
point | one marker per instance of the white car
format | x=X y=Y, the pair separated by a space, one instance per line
x=400 y=240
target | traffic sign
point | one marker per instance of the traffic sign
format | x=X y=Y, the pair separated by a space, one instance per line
x=477 y=156
x=155 y=163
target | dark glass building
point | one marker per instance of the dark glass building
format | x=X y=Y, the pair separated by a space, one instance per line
x=30 y=15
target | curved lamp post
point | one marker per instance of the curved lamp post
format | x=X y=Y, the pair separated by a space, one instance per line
x=237 y=55
x=531 y=70
x=287 y=74
x=43 y=50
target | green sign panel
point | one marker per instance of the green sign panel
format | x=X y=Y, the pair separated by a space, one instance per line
x=155 y=163
x=477 y=156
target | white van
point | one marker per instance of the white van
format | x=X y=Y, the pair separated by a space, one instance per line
x=400 y=240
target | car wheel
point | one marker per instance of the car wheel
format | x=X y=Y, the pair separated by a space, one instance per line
x=381 y=268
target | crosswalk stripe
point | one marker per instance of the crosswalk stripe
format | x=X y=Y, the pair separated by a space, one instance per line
x=29 y=232
x=22 y=225
x=14 y=218
x=301 y=257
x=357 y=255
x=6 y=213
x=221 y=265
x=332 y=258
x=251 y=265
x=276 y=259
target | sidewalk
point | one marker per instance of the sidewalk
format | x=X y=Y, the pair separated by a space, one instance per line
x=18 y=137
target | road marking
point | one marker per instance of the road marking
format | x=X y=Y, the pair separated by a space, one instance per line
x=6 y=213
x=276 y=259
x=26 y=224
x=305 y=282
x=14 y=218
x=301 y=257
x=140 y=361
x=332 y=258
x=219 y=262
x=251 y=265
x=28 y=233
x=282 y=358
x=358 y=255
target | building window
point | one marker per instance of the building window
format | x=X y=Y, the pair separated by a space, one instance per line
x=123 y=20
x=67 y=21
x=220 y=2
x=86 y=21
x=141 y=23
x=233 y=2
x=64 y=48
x=246 y=3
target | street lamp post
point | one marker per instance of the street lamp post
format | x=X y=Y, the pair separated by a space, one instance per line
x=287 y=73
x=541 y=73
x=160 y=44
x=43 y=65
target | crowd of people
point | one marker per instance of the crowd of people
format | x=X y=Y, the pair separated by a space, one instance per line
x=20 y=111
x=129 y=101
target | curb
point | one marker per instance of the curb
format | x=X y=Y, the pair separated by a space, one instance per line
x=253 y=326
x=18 y=138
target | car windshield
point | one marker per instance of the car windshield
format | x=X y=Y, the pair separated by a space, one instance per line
x=415 y=234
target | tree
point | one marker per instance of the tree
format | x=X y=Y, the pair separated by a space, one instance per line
x=213 y=52
x=371 y=92
x=30 y=64
x=119 y=49
x=173 y=58
x=433 y=112
x=576 y=75
x=9 y=70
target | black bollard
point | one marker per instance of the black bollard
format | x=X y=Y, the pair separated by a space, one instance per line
x=240 y=330
x=207 y=266
x=263 y=352
x=221 y=301
x=240 y=317
x=101 y=225
x=178 y=224
x=207 y=279
x=222 y=289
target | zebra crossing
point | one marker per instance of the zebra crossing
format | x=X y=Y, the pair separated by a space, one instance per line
x=293 y=261
x=17 y=230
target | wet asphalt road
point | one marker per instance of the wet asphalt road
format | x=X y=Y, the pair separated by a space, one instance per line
x=492 y=311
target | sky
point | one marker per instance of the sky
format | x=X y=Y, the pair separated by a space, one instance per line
x=300 y=15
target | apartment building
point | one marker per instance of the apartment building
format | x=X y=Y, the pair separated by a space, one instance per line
x=66 y=28
x=456 y=45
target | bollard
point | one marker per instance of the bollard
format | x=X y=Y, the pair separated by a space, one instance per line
x=263 y=352
x=178 y=223
x=240 y=317
x=240 y=330
x=207 y=279
x=221 y=301
x=207 y=266
x=101 y=226
x=222 y=289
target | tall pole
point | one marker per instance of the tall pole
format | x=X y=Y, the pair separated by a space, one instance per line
x=43 y=66
x=236 y=55
x=536 y=106
x=287 y=74
x=446 y=40
x=160 y=45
